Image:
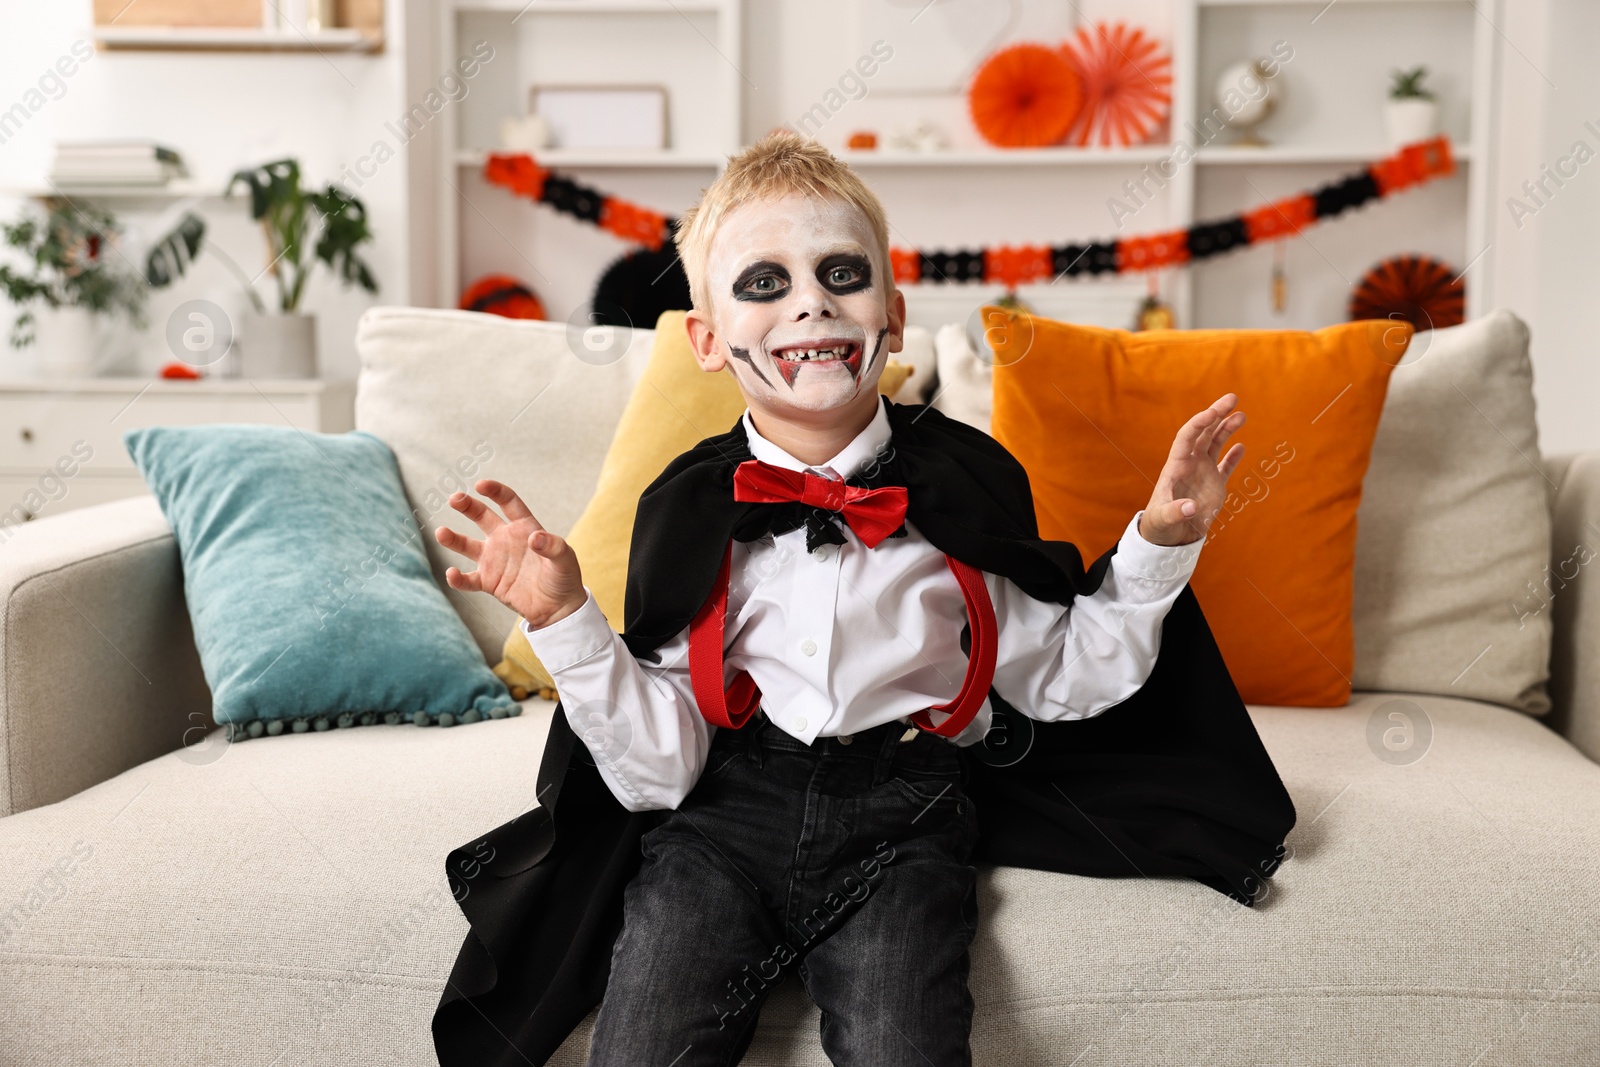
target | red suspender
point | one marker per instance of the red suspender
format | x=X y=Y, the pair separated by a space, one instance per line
x=732 y=708
x=705 y=660
x=980 y=663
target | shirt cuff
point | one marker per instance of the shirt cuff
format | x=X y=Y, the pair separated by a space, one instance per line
x=572 y=639
x=1138 y=558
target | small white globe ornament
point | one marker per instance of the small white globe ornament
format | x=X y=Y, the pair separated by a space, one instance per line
x=1246 y=96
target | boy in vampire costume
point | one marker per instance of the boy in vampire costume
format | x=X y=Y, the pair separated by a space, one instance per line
x=850 y=670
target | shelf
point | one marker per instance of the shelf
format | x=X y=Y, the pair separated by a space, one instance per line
x=595 y=157
x=1295 y=154
x=1315 y=3
x=1005 y=157
x=124 y=384
x=1019 y=157
x=184 y=38
x=592 y=7
x=179 y=190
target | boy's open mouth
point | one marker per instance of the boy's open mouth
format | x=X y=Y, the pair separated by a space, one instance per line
x=791 y=358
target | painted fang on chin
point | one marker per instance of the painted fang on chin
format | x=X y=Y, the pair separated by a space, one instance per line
x=743 y=354
x=877 y=347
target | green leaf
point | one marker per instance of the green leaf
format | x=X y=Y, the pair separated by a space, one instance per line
x=171 y=256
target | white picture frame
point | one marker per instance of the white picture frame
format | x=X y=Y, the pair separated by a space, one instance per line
x=602 y=117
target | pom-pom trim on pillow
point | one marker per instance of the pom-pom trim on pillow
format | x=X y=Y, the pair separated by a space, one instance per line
x=243 y=731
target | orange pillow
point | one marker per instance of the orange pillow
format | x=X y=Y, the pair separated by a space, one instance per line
x=1092 y=413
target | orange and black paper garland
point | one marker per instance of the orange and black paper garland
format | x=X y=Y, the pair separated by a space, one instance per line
x=1013 y=265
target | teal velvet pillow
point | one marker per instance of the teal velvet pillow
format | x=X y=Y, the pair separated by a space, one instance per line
x=308 y=586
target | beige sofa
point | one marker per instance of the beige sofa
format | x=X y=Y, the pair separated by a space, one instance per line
x=168 y=897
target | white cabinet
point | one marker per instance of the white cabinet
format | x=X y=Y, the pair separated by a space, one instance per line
x=61 y=441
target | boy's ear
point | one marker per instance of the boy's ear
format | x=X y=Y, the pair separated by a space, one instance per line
x=897 y=321
x=703 y=339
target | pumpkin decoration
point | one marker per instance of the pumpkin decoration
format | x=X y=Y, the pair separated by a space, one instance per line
x=1418 y=289
x=1025 y=95
x=1127 y=84
x=501 y=294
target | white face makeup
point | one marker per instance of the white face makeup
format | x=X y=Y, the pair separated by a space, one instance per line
x=800 y=305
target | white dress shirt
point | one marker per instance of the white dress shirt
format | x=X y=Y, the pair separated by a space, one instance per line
x=849 y=637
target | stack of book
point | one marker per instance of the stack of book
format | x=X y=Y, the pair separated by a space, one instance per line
x=116 y=163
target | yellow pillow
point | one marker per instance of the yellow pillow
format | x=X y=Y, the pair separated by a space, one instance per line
x=674 y=407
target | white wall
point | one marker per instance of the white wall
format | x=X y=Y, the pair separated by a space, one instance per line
x=1547 y=265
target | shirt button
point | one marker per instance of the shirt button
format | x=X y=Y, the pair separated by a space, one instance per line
x=822 y=553
x=809 y=647
x=800 y=724
x=845 y=739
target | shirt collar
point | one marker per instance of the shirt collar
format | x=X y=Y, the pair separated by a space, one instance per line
x=861 y=450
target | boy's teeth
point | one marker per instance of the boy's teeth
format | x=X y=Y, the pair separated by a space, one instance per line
x=805 y=355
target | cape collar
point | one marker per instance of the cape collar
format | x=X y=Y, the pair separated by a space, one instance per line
x=967 y=496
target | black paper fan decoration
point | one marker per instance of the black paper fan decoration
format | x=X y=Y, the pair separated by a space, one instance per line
x=639 y=286
x=1418 y=289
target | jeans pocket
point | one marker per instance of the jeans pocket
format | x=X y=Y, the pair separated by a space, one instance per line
x=720 y=761
x=929 y=790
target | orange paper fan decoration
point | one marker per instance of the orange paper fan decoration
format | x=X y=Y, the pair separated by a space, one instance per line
x=1025 y=95
x=1418 y=289
x=1127 y=83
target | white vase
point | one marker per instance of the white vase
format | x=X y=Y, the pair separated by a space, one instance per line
x=66 y=343
x=278 y=346
x=1409 y=120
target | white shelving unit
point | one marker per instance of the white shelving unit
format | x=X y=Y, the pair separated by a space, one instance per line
x=1328 y=125
x=552 y=41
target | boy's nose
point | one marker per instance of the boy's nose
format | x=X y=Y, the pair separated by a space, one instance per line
x=814 y=301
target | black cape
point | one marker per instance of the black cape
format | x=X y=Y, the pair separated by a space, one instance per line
x=1173 y=781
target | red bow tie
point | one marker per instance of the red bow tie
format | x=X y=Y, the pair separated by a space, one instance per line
x=872 y=513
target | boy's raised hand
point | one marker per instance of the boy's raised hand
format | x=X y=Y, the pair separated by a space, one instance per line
x=526 y=567
x=1192 y=485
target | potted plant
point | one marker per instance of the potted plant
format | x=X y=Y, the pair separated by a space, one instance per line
x=1411 y=113
x=302 y=227
x=75 y=271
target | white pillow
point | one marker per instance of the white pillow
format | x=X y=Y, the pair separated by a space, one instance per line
x=917 y=351
x=1453 y=532
x=459 y=396
x=966 y=383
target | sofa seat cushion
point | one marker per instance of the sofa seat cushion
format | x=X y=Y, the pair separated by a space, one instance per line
x=1429 y=910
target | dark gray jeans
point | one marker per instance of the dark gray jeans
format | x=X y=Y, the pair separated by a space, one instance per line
x=844 y=862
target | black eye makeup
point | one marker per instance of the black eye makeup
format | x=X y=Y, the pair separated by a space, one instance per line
x=846 y=272
x=773 y=279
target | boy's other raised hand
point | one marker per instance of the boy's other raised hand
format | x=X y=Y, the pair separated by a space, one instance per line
x=524 y=566
x=1194 y=482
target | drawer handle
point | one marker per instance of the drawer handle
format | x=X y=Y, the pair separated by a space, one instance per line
x=27 y=434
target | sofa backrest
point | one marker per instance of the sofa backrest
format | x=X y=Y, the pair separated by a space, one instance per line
x=460 y=396
x=1453 y=532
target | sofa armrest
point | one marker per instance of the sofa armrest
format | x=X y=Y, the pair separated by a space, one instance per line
x=98 y=667
x=1573 y=481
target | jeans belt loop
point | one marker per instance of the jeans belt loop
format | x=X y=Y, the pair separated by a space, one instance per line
x=753 y=747
x=885 y=761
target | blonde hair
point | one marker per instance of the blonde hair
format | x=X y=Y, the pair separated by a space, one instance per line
x=780 y=163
